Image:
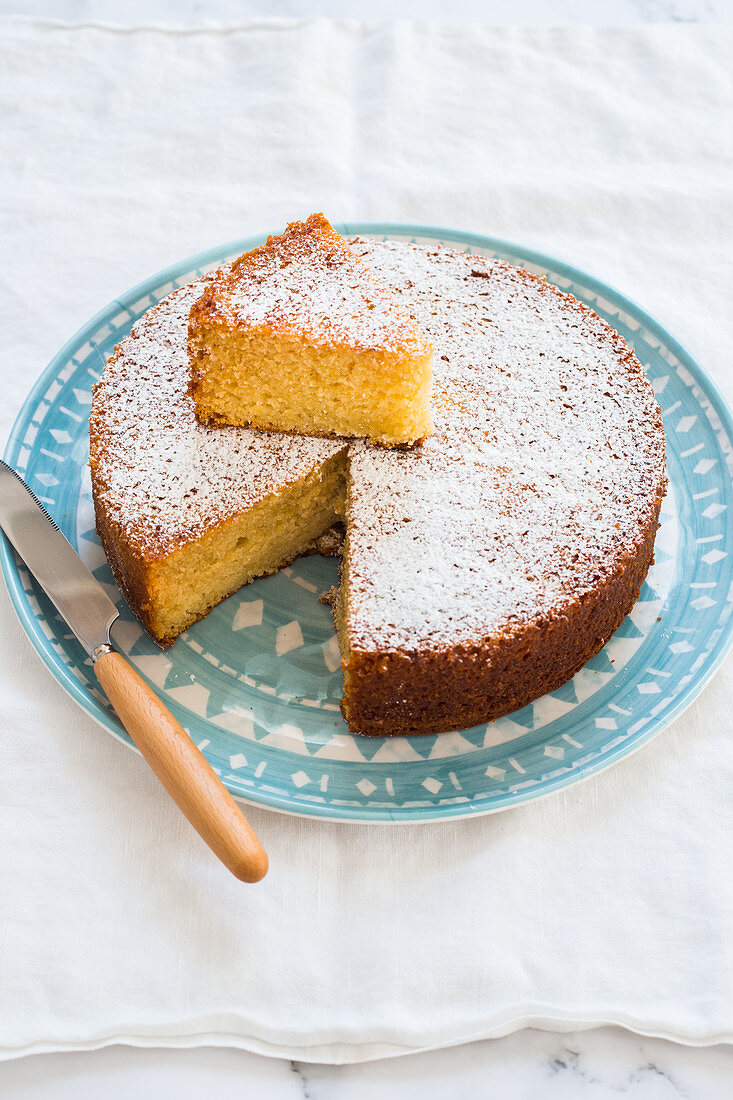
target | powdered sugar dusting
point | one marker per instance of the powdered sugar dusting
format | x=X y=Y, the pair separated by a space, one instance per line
x=166 y=478
x=307 y=283
x=545 y=465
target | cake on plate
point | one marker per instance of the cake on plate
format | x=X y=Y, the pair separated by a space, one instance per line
x=298 y=335
x=480 y=569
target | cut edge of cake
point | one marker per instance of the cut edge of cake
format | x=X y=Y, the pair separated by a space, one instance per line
x=172 y=590
x=298 y=336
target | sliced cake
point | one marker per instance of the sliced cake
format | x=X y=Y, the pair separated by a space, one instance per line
x=480 y=569
x=299 y=336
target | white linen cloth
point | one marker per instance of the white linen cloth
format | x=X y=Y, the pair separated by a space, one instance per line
x=122 y=150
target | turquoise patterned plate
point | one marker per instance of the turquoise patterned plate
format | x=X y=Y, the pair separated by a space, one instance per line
x=257 y=683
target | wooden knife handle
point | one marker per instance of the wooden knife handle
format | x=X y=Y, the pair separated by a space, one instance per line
x=189 y=779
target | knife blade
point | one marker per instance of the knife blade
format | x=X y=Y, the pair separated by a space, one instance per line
x=76 y=594
x=186 y=775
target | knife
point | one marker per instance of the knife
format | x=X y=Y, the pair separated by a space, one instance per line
x=186 y=775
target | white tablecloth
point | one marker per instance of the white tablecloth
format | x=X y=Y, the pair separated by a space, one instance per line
x=124 y=149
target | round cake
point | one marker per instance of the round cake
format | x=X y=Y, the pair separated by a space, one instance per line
x=480 y=569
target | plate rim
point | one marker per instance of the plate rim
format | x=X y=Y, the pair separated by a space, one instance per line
x=362 y=815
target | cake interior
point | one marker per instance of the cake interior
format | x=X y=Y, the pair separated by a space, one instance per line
x=257 y=379
x=189 y=582
x=298 y=336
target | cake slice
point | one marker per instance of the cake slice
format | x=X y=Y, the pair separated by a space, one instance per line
x=298 y=336
x=188 y=514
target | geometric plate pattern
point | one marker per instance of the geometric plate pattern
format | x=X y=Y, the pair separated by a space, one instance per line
x=257 y=683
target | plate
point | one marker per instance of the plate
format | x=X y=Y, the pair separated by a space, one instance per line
x=257 y=683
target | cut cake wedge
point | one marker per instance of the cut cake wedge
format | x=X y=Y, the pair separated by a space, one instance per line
x=298 y=336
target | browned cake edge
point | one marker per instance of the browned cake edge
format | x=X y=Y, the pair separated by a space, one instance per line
x=130 y=569
x=399 y=693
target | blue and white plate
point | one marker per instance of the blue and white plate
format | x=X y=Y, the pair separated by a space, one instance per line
x=257 y=683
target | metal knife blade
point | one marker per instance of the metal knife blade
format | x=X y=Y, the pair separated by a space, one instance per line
x=54 y=563
x=186 y=775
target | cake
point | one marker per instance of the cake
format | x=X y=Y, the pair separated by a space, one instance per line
x=480 y=570
x=188 y=514
x=298 y=335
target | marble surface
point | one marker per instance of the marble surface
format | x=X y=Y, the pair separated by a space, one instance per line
x=602 y=1063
